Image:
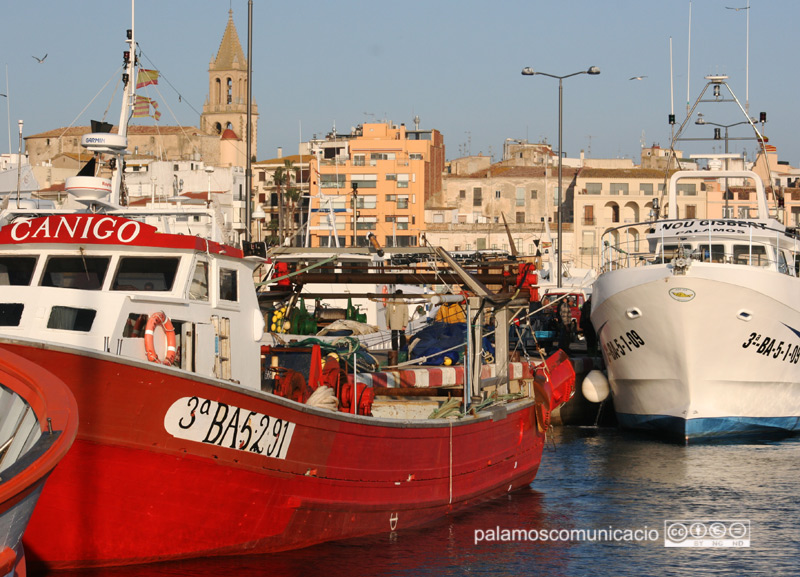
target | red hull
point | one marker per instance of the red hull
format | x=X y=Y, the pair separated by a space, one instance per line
x=129 y=491
x=56 y=417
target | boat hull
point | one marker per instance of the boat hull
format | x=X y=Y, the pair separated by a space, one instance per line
x=142 y=483
x=38 y=424
x=713 y=353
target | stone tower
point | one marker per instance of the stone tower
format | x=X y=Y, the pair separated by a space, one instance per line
x=226 y=105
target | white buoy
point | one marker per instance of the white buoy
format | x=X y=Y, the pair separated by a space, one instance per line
x=595 y=387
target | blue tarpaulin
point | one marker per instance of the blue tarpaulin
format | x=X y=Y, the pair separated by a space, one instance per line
x=438 y=337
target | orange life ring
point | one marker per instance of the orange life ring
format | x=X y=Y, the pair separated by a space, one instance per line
x=160 y=319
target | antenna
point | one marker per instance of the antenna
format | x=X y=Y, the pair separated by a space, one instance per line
x=689 y=61
x=747 y=65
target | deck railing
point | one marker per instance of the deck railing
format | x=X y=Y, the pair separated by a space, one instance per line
x=724 y=242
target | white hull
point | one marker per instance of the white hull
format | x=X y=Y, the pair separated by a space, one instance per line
x=720 y=357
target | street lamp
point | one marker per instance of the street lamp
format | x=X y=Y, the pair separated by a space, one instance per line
x=528 y=71
x=701 y=121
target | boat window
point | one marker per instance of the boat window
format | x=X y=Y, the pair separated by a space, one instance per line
x=145 y=274
x=135 y=326
x=16 y=270
x=78 y=272
x=742 y=255
x=228 y=285
x=717 y=253
x=10 y=314
x=670 y=251
x=198 y=290
x=71 y=319
x=783 y=265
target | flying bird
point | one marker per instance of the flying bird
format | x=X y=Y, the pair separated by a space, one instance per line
x=637 y=77
x=39 y=60
x=737 y=9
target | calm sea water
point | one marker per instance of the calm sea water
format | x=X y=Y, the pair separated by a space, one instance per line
x=590 y=479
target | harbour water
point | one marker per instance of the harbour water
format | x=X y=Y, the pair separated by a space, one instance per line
x=598 y=489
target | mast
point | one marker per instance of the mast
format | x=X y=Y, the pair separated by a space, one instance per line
x=248 y=175
x=129 y=93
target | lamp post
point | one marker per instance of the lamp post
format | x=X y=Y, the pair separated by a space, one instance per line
x=701 y=121
x=528 y=71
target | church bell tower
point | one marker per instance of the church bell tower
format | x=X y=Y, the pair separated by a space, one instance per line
x=226 y=105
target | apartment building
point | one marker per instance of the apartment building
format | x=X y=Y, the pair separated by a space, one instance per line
x=470 y=213
x=280 y=199
x=376 y=179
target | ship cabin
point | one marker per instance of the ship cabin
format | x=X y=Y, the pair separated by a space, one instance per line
x=95 y=281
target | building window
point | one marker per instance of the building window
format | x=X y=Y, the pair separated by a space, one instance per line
x=744 y=212
x=691 y=211
x=520 y=218
x=594 y=188
x=588 y=215
x=477 y=197
x=462 y=194
x=366 y=222
x=415 y=156
x=743 y=195
x=646 y=188
x=369 y=201
x=391 y=177
x=520 y=194
x=618 y=188
x=727 y=212
x=359 y=160
x=534 y=194
x=687 y=189
x=262 y=176
x=462 y=219
x=402 y=181
x=498 y=194
x=364 y=180
x=376 y=156
x=402 y=201
x=332 y=180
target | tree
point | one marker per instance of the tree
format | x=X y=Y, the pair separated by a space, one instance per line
x=284 y=179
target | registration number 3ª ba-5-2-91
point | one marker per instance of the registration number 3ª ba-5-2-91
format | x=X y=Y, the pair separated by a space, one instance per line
x=215 y=423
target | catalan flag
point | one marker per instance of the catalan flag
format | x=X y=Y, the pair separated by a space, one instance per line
x=146 y=77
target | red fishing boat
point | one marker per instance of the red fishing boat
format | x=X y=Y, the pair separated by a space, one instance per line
x=38 y=423
x=183 y=451
x=196 y=438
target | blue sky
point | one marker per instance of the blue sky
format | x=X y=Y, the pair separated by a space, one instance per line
x=454 y=63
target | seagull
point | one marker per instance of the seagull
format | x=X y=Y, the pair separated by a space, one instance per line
x=737 y=9
x=637 y=77
x=39 y=60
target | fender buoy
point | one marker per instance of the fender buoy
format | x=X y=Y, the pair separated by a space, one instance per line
x=384 y=290
x=160 y=319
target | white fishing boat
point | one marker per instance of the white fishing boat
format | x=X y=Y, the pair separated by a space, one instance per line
x=700 y=326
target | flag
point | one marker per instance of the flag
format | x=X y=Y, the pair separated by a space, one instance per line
x=141 y=107
x=146 y=77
